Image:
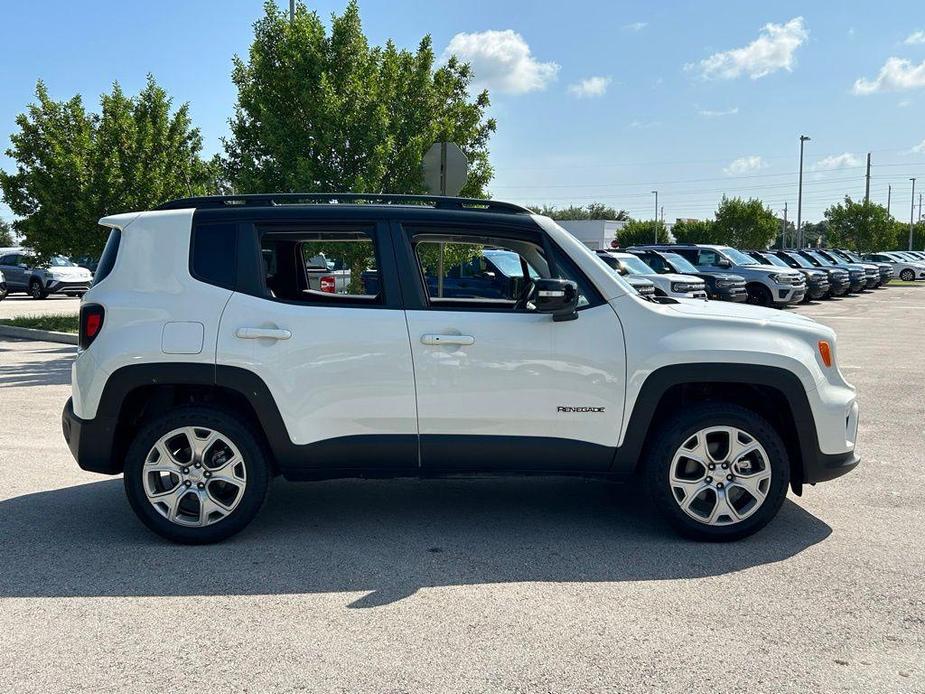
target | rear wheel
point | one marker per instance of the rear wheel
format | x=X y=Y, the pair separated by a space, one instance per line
x=907 y=275
x=759 y=295
x=196 y=475
x=718 y=472
x=3 y=292
x=36 y=290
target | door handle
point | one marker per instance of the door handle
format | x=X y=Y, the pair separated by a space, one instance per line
x=262 y=333
x=447 y=339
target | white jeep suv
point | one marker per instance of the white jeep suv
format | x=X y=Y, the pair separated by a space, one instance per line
x=208 y=363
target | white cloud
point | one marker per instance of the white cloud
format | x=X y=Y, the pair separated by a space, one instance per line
x=919 y=148
x=836 y=161
x=743 y=165
x=915 y=38
x=636 y=26
x=897 y=74
x=502 y=61
x=773 y=50
x=589 y=87
x=645 y=124
x=706 y=113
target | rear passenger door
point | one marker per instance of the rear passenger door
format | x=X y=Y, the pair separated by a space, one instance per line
x=336 y=362
x=12 y=273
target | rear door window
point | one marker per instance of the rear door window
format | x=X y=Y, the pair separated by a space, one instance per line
x=108 y=258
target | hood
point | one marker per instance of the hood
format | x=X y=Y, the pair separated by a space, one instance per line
x=68 y=274
x=675 y=277
x=773 y=268
x=722 y=276
x=727 y=309
x=638 y=281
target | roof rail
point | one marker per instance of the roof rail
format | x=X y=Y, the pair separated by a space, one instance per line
x=278 y=199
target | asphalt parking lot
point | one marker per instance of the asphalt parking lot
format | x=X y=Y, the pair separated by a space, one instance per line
x=473 y=585
x=23 y=305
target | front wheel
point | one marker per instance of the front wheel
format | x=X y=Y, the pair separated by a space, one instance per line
x=3 y=292
x=196 y=475
x=36 y=290
x=759 y=295
x=718 y=472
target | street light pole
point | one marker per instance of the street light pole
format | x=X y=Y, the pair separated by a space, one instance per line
x=291 y=11
x=656 y=215
x=911 y=213
x=803 y=138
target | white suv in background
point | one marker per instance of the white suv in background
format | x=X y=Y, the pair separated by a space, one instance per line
x=666 y=284
x=210 y=366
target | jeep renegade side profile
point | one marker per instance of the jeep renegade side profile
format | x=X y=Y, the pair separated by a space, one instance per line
x=211 y=365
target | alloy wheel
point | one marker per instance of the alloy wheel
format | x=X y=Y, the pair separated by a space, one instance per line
x=194 y=476
x=720 y=476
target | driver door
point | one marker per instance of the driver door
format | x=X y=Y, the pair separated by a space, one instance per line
x=499 y=386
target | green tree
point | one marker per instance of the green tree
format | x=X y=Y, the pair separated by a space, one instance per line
x=815 y=233
x=696 y=231
x=901 y=236
x=637 y=232
x=860 y=226
x=595 y=210
x=6 y=234
x=746 y=223
x=73 y=167
x=324 y=112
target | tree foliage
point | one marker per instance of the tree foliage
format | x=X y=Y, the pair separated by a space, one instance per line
x=745 y=223
x=6 y=234
x=860 y=226
x=326 y=112
x=74 y=166
x=594 y=210
x=696 y=231
x=638 y=232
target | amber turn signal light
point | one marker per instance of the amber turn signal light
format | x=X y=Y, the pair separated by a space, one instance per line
x=825 y=351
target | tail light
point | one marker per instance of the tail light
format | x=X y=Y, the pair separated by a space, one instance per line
x=327 y=284
x=91 y=322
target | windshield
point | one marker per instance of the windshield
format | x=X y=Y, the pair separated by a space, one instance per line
x=60 y=261
x=509 y=263
x=800 y=260
x=738 y=257
x=851 y=256
x=821 y=258
x=635 y=266
x=772 y=259
x=680 y=263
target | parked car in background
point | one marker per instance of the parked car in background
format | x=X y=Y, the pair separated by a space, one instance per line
x=766 y=285
x=203 y=389
x=817 y=282
x=666 y=284
x=57 y=276
x=871 y=270
x=885 y=269
x=839 y=278
x=857 y=275
x=330 y=276
x=3 y=289
x=903 y=267
x=720 y=286
x=644 y=287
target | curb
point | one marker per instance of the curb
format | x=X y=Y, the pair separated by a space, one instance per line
x=41 y=335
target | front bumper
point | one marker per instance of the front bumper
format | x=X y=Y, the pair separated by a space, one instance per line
x=90 y=440
x=734 y=294
x=56 y=287
x=789 y=294
x=817 y=290
x=824 y=467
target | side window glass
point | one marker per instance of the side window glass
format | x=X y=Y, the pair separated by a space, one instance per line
x=321 y=267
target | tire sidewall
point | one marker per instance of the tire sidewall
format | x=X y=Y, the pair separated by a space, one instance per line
x=679 y=430
x=759 y=295
x=907 y=275
x=228 y=425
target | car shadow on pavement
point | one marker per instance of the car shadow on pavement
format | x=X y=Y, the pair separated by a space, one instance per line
x=385 y=539
x=55 y=370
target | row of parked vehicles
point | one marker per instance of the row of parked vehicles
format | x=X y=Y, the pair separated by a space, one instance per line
x=773 y=278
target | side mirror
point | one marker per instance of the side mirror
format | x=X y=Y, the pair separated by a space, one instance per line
x=558 y=297
x=723 y=262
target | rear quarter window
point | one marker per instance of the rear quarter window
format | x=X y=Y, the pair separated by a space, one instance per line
x=108 y=259
x=215 y=254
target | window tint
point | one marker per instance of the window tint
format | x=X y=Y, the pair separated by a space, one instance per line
x=7 y=260
x=215 y=258
x=656 y=263
x=321 y=266
x=707 y=257
x=108 y=259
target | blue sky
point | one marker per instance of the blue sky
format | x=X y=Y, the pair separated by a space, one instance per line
x=595 y=100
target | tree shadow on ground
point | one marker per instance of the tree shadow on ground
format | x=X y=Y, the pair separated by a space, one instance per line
x=37 y=371
x=385 y=538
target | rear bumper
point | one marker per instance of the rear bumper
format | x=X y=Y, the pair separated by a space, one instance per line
x=90 y=440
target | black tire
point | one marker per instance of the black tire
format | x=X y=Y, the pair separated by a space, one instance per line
x=759 y=295
x=907 y=275
x=36 y=290
x=3 y=293
x=240 y=433
x=680 y=428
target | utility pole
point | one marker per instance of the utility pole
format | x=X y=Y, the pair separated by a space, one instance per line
x=867 y=182
x=911 y=213
x=291 y=11
x=656 y=217
x=803 y=138
x=889 y=194
x=783 y=230
x=920 y=207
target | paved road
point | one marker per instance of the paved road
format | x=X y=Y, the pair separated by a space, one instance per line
x=22 y=305
x=487 y=585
